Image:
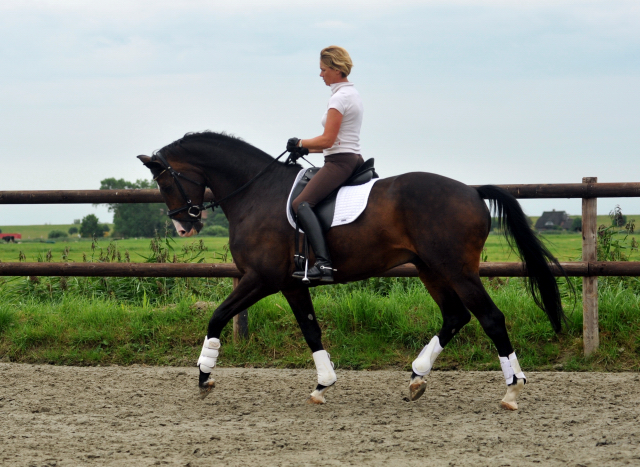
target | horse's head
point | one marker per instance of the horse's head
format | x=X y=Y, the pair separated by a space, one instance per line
x=182 y=187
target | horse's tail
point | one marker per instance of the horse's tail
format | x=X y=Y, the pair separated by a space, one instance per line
x=542 y=284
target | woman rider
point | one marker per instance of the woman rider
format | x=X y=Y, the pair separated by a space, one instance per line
x=340 y=144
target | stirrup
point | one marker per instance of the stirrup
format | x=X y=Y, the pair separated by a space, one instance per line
x=322 y=272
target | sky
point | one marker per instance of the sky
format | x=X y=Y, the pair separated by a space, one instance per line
x=484 y=91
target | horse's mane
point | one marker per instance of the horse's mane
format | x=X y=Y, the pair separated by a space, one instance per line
x=206 y=139
x=242 y=158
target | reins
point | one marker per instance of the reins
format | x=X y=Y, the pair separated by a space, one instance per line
x=216 y=204
x=195 y=210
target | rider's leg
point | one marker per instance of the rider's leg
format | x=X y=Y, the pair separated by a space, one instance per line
x=322 y=269
x=336 y=170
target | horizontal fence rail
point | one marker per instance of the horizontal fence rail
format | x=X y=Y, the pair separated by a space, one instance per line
x=574 y=269
x=556 y=190
x=589 y=269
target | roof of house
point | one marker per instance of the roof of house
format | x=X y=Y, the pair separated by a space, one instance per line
x=550 y=219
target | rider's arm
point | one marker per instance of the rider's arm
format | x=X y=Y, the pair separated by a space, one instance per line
x=328 y=138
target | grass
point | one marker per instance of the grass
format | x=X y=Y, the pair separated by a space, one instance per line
x=78 y=250
x=374 y=324
x=38 y=232
x=566 y=246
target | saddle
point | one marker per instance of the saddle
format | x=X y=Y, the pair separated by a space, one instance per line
x=325 y=209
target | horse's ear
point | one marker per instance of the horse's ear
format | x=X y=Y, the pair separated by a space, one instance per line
x=146 y=160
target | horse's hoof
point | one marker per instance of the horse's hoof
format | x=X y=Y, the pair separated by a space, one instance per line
x=513 y=391
x=317 y=396
x=316 y=400
x=509 y=405
x=206 y=388
x=417 y=388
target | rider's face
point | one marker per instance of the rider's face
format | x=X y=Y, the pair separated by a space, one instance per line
x=329 y=75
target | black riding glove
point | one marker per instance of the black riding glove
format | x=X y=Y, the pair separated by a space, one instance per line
x=292 y=144
x=295 y=150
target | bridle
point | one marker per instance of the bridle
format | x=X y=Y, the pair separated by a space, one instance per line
x=195 y=210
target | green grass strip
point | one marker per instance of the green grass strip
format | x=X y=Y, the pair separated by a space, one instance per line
x=374 y=324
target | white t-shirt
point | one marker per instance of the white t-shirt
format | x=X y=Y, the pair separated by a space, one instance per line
x=346 y=100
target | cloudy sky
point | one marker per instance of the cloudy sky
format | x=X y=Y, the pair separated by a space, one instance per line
x=484 y=91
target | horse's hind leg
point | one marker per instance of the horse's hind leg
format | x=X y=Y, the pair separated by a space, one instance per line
x=302 y=307
x=454 y=317
x=476 y=299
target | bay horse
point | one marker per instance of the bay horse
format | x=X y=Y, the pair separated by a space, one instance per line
x=438 y=224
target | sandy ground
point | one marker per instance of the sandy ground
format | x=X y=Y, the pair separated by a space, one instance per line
x=59 y=416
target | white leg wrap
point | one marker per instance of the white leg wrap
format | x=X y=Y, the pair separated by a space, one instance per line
x=511 y=368
x=209 y=354
x=326 y=375
x=423 y=364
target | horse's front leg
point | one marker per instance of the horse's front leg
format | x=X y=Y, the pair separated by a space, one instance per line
x=250 y=290
x=300 y=301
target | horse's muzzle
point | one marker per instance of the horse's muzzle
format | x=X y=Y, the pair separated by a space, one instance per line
x=187 y=229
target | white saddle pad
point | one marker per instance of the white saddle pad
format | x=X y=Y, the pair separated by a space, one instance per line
x=350 y=203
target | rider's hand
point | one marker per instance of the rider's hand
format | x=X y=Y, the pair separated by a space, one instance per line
x=292 y=144
x=295 y=150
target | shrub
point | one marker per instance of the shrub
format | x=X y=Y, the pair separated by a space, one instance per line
x=57 y=234
x=576 y=225
x=215 y=231
x=73 y=230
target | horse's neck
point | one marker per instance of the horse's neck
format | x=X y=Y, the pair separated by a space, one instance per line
x=230 y=171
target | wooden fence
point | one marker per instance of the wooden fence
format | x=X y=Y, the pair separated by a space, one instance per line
x=589 y=269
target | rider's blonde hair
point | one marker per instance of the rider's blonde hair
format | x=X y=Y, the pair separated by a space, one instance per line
x=337 y=58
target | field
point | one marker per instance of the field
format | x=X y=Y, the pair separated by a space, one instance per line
x=78 y=250
x=566 y=247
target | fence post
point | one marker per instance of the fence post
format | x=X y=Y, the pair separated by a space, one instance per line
x=590 y=336
x=240 y=321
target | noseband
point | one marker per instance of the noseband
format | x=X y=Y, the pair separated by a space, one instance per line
x=195 y=210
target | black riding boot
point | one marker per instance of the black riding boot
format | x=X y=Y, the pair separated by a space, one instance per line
x=322 y=270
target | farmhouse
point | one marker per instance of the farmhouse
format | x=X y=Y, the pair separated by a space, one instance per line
x=554 y=220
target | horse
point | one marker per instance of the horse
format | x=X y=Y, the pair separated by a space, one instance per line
x=433 y=222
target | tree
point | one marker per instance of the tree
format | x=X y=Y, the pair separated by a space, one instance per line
x=57 y=234
x=91 y=227
x=73 y=230
x=135 y=220
x=217 y=219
